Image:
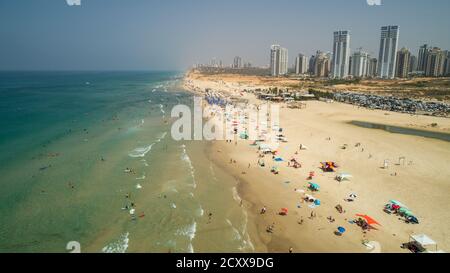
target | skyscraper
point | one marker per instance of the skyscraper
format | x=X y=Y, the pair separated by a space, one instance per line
x=360 y=64
x=422 y=57
x=322 y=64
x=341 y=54
x=301 y=64
x=447 y=64
x=278 y=60
x=413 y=64
x=435 y=63
x=373 y=67
x=403 y=62
x=388 y=51
x=237 y=62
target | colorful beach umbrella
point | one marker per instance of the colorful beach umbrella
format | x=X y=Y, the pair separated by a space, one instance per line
x=369 y=219
x=395 y=202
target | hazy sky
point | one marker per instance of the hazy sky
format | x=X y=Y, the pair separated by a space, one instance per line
x=174 y=34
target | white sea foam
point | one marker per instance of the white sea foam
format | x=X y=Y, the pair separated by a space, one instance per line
x=236 y=235
x=141 y=151
x=163 y=135
x=200 y=211
x=188 y=231
x=236 y=196
x=141 y=178
x=119 y=246
x=138 y=186
x=145 y=162
x=185 y=157
x=174 y=206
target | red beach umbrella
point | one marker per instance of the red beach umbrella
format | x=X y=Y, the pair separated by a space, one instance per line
x=369 y=219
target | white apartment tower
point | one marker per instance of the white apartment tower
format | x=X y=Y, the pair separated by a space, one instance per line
x=278 y=60
x=301 y=64
x=388 y=52
x=360 y=64
x=341 y=54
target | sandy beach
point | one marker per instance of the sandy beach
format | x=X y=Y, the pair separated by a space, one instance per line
x=417 y=175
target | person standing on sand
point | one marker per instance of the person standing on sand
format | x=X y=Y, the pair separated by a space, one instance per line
x=263 y=210
x=291 y=249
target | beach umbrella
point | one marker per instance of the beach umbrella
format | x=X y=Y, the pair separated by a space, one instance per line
x=341 y=229
x=395 y=202
x=314 y=186
x=369 y=219
x=317 y=202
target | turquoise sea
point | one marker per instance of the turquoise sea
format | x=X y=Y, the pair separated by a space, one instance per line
x=88 y=157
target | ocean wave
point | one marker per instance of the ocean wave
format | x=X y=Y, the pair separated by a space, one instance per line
x=163 y=135
x=236 y=196
x=141 y=151
x=245 y=244
x=161 y=108
x=141 y=178
x=145 y=162
x=119 y=246
x=200 y=211
x=185 y=157
x=188 y=231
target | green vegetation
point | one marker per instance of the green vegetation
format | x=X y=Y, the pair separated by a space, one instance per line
x=342 y=81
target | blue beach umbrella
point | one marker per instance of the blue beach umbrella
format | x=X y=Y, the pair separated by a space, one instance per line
x=314 y=186
x=341 y=229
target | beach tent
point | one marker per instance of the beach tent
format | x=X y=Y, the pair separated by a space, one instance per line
x=423 y=240
x=369 y=219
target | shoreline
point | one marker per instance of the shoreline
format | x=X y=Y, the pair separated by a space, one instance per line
x=375 y=186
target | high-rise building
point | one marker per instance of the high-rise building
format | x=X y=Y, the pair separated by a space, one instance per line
x=312 y=64
x=447 y=64
x=372 y=67
x=422 y=57
x=403 y=62
x=360 y=64
x=322 y=65
x=350 y=63
x=435 y=62
x=388 y=51
x=341 y=54
x=237 y=62
x=278 y=60
x=412 y=64
x=301 y=64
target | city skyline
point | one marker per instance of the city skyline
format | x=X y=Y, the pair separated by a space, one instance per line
x=100 y=35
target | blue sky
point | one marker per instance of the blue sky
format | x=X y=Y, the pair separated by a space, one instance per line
x=174 y=34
